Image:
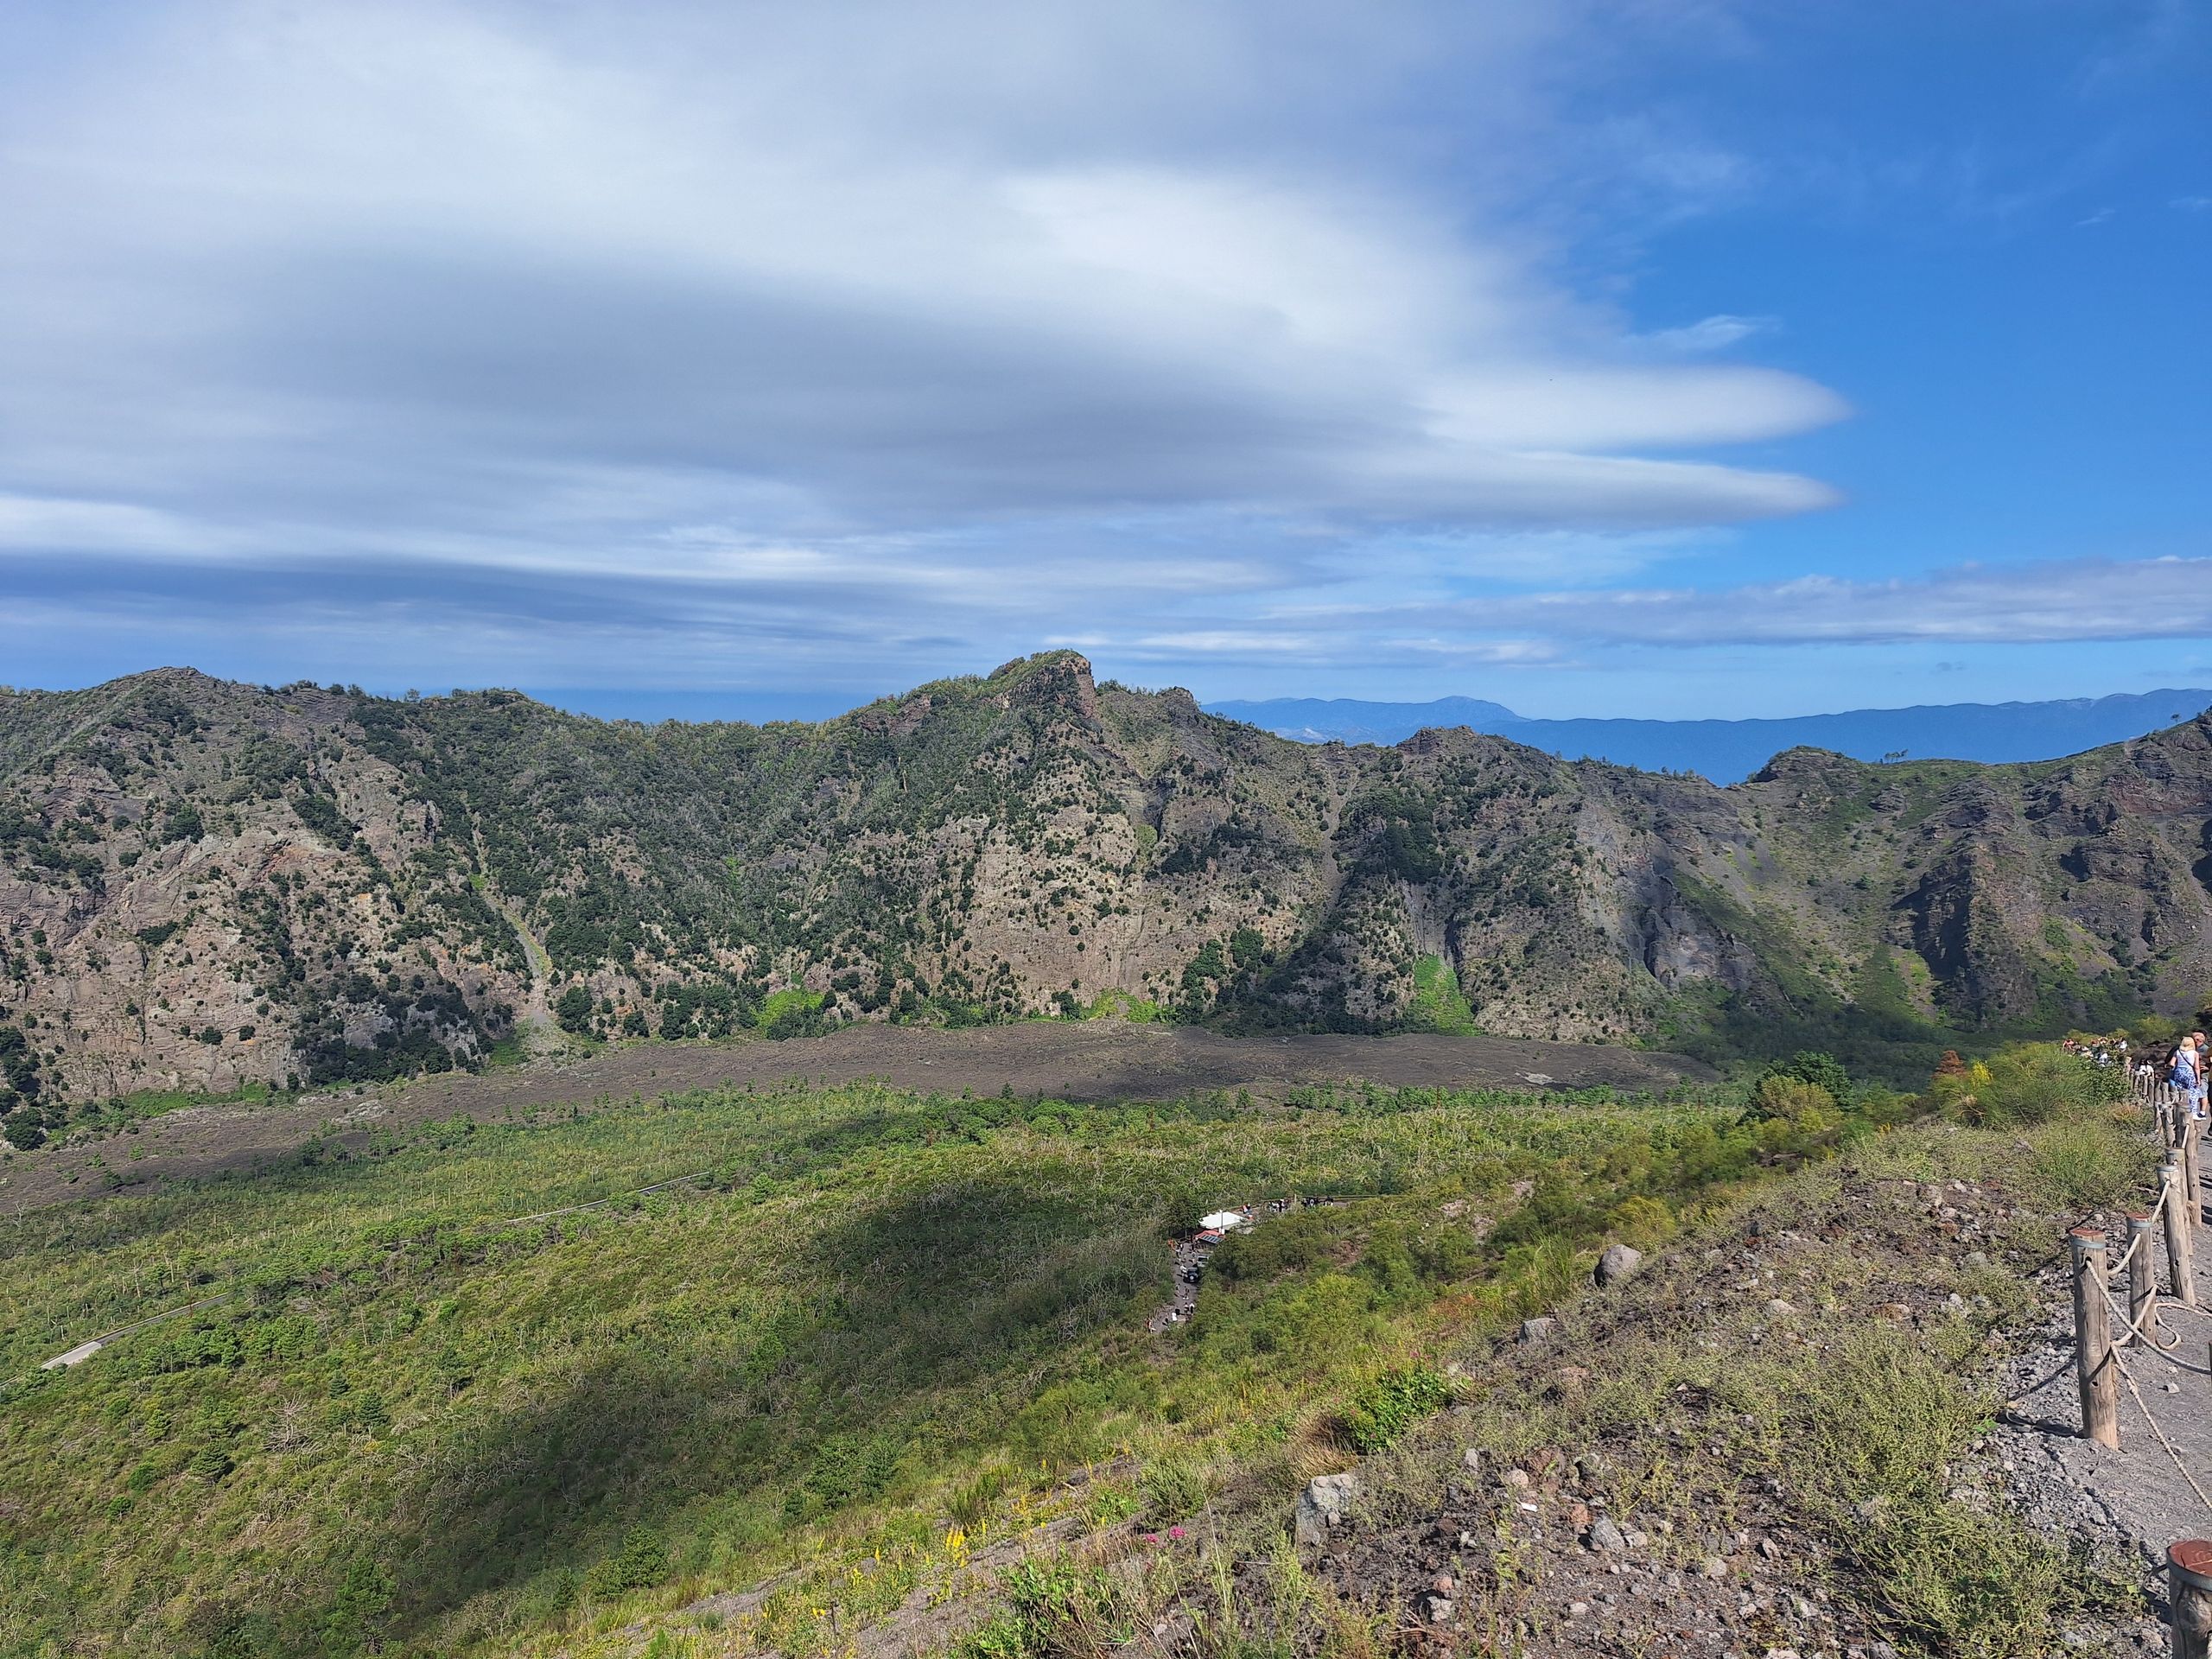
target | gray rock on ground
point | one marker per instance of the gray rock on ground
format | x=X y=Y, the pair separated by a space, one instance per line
x=1618 y=1262
x=1322 y=1505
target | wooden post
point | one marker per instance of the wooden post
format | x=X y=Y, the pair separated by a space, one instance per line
x=2189 y=1599
x=2094 y=1367
x=2181 y=1253
x=2192 y=1169
x=2142 y=1277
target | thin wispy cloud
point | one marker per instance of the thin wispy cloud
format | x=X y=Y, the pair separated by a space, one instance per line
x=1712 y=334
x=2047 y=602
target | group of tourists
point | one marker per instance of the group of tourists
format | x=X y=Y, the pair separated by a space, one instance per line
x=2187 y=1065
x=2098 y=1050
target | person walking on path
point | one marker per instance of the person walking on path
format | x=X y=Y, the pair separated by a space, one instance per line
x=2187 y=1073
x=2181 y=1070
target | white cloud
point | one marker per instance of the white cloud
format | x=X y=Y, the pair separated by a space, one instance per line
x=736 y=295
x=1714 y=333
x=2042 y=602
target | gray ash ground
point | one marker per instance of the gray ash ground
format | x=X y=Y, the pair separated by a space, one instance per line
x=1088 y=1060
x=1543 y=1558
x=2139 y=1499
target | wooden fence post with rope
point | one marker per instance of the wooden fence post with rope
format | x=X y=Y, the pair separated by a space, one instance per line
x=2093 y=1356
x=2181 y=1248
x=2100 y=1354
x=2192 y=1166
x=2142 y=1273
x=2100 y=1357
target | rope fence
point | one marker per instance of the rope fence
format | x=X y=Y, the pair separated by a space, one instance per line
x=2109 y=1331
x=2105 y=1327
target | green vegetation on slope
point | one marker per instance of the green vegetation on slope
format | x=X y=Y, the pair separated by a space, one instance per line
x=1812 y=1364
x=418 y=1425
x=1437 y=1002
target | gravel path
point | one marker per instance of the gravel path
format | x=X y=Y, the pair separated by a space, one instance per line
x=2138 y=1499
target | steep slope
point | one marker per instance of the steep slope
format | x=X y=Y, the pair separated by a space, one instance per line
x=204 y=884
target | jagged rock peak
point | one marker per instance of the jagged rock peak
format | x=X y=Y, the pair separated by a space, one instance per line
x=1051 y=678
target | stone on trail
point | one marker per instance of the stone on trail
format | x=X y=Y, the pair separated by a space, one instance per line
x=1616 y=1264
x=1605 y=1536
x=1322 y=1505
x=1537 y=1329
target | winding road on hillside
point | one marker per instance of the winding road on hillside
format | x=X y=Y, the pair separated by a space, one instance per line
x=1086 y=1062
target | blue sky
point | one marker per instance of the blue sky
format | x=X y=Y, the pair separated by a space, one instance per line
x=1661 y=357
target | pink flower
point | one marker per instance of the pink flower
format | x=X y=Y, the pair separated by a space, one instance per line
x=1151 y=1537
x=1174 y=1532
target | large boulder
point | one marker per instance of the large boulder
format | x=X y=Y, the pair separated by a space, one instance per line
x=1618 y=1262
x=1322 y=1505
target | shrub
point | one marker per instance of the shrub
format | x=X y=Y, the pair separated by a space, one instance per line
x=2027 y=1083
x=573 y=1010
x=1643 y=1222
x=1877 y=1432
x=972 y=1500
x=1821 y=1070
x=1391 y=1404
x=1795 y=1118
x=1055 y=1610
x=1172 y=1488
x=2090 y=1162
x=641 y=1561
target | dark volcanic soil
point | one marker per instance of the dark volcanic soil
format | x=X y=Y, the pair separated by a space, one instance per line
x=1093 y=1061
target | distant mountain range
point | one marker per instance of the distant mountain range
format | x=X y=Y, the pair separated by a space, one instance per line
x=1728 y=751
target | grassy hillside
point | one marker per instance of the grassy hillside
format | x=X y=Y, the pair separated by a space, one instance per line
x=878 y=1326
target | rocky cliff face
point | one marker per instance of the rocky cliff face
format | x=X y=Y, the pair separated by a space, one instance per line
x=204 y=884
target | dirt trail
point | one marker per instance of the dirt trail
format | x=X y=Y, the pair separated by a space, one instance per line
x=1089 y=1062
